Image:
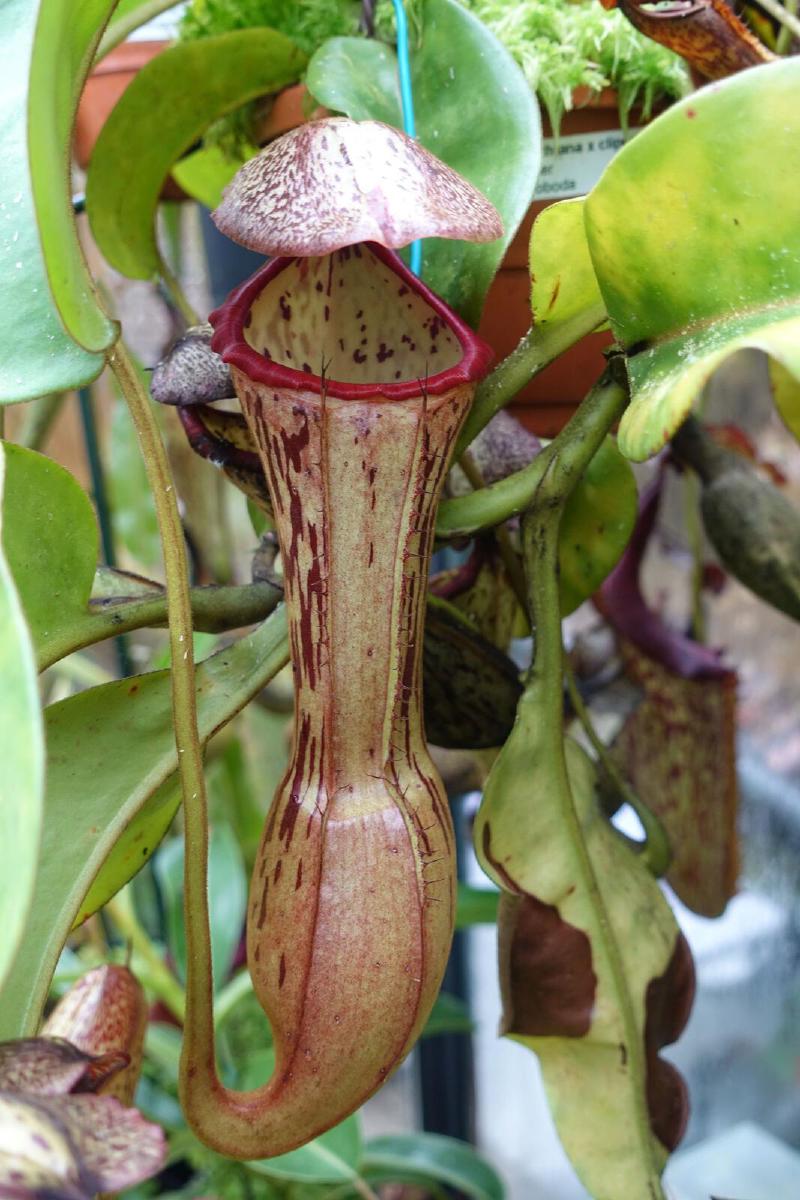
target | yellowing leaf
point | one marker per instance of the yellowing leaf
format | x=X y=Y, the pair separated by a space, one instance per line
x=693 y=235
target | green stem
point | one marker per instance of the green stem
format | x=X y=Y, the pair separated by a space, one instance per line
x=655 y=852
x=228 y=997
x=214 y=610
x=466 y=515
x=364 y=1190
x=785 y=16
x=162 y=981
x=784 y=39
x=184 y=703
x=101 y=503
x=39 y=417
x=177 y=295
x=540 y=346
x=123 y=27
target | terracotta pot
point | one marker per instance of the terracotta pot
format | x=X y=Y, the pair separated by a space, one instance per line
x=547 y=403
x=286 y=111
x=103 y=89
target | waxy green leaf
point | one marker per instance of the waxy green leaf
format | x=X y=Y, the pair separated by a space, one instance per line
x=204 y=174
x=594 y=974
x=564 y=290
x=67 y=36
x=693 y=236
x=586 y=944
x=421 y=1157
x=39 y=355
x=112 y=747
x=51 y=541
x=329 y=1159
x=450 y=1014
x=475 y=906
x=473 y=109
x=166 y=108
x=597 y=522
x=227 y=899
x=135 y=845
x=21 y=749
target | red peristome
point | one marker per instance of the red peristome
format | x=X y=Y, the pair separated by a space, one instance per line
x=231 y=322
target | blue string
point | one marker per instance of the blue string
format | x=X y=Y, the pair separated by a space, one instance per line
x=407 y=102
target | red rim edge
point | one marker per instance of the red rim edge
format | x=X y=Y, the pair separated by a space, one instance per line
x=229 y=342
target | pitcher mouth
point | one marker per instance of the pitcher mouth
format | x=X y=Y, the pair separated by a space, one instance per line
x=355 y=324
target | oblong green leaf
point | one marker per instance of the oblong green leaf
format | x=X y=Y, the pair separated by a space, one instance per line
x=475 y=906
x=109 y=749
x=167 y=107
x=421 y=1157
x=564 y=288
x=331 y=1158
x=206 y=173
x=227 y=898
x=450 y=1014
x=51 y=542
x=38 y=355
x=21 y=756
x=473 y=108
x=67 y=36
x=596 y=526
x=577 y=969
x=693 y=236
x=358 y=77
x=133 y=848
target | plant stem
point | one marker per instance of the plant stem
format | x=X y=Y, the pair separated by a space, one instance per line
x=163 y=982
x=784 y=39
x=123 y=27
x=39 y=417
x=656 y=853
x=362 y=1187
x=177 y=295
x=536 y=350
x=565 y=460
x=466 y=515
x=184 y=703
x=228 y=997
x=91 y=442
x=214 y=610
x=785 y=16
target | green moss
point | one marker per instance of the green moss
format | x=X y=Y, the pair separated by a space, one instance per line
x=308 y=23
x=561 y=46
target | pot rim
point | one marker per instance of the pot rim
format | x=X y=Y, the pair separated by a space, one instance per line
x=129 y=57
x=229 y=342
